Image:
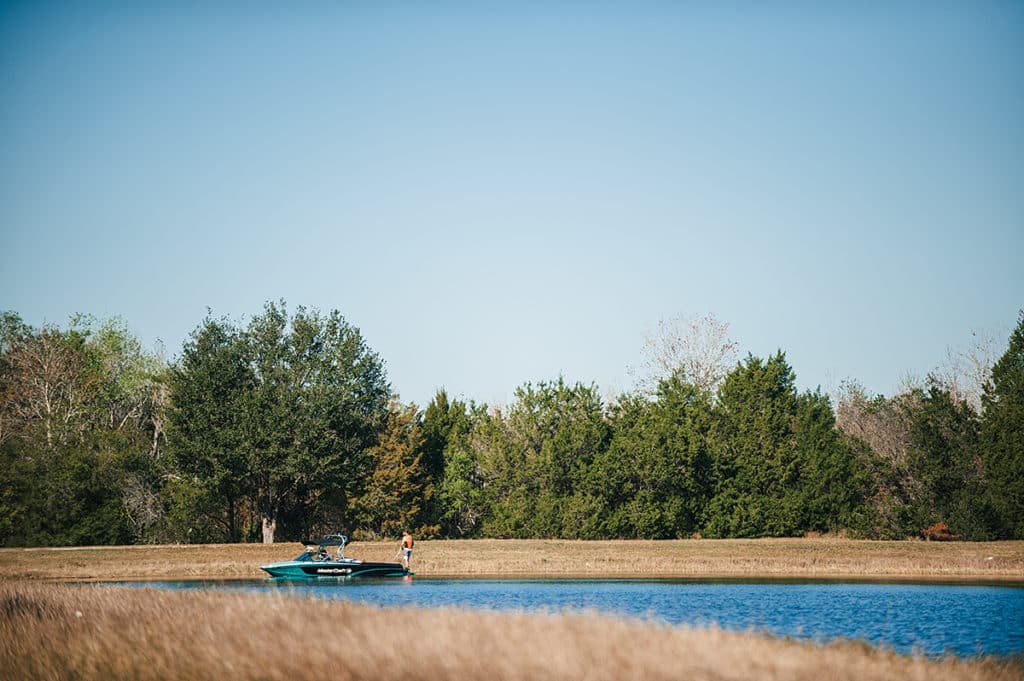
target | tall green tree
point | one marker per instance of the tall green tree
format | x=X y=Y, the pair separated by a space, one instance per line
x=535 y=460
x=757 y=466
x=208 y=387
x=832 y=481
x=945 y=460
x=451 y=465
x=443 y=420
x=399 y=486
x=654 y=478
x=307 y=400
x=461 y=496
x=1002 y=435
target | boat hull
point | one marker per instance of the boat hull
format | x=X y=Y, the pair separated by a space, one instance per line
x=313 y=570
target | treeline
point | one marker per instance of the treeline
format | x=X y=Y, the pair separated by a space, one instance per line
x=287 y=426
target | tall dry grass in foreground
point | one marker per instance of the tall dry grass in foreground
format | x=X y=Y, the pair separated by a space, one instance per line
x=60 y=632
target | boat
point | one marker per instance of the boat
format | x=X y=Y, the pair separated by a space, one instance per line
x=316 y=562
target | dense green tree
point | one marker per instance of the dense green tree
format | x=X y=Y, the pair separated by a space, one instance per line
x=16 y=474
x=457 y=506
x=534 y=460
x=208 y=386
x=443 y=420
x=14 y=477
x=654 y=479
x=445 y=425
x=131 y=413
x=780 y=466
x=946 y=464
x=399 y=486
x=1002 y=435
x=920 y=457
x=298 y=400
x=832 y=481
x=461 y=496
x=756 y=464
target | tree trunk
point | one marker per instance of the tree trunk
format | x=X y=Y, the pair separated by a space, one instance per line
x=269 y=525
x=232 y=530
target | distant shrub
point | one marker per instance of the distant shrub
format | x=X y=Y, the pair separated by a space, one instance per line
x=939 y=532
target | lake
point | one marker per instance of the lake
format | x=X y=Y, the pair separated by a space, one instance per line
x=932 y=619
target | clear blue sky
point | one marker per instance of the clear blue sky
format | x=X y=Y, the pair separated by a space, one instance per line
x=497 y=193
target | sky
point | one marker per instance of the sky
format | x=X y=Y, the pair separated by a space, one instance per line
x=503 y=193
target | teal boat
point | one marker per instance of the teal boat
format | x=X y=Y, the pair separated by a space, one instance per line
x=316 y=562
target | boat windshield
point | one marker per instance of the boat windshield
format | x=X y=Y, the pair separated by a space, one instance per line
x=316 y=549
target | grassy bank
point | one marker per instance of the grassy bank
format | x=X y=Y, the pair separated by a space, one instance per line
x=799 y=558
x=60 y=632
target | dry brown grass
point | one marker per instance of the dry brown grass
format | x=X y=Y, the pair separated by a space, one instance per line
x=50 y=632
x=798 y=558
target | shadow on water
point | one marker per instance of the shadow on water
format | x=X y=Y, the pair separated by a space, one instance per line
x=934 y=619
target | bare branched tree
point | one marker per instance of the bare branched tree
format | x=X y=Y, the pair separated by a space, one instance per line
x=142 y=506
x=965 y=372
x=883 y=424
x=697 y=348
x=48 y=384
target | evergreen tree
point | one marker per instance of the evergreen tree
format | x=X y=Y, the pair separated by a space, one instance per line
x=945 y=461
x=833 y=483
x=1002 y=436
x=445 y=424
x=442 y=420
x=457 y=506
x=399 y=485
x=535 y=460
x=654 y=479
x=207 y=391
x=461 y=495
x=757 y=466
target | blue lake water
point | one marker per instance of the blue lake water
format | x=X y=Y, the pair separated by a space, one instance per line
x=931 y=619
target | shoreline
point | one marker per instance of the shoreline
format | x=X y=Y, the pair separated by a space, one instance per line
x=823 y=559
x=1011 y=582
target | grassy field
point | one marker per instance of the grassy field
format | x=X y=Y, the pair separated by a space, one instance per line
x=54 y=631
x=51 y=631
x=777 y=558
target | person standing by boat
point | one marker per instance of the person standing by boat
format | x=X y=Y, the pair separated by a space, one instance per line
x=406 y=548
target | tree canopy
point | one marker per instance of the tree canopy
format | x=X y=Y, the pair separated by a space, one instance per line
x=285 y=425
x=295 y=404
